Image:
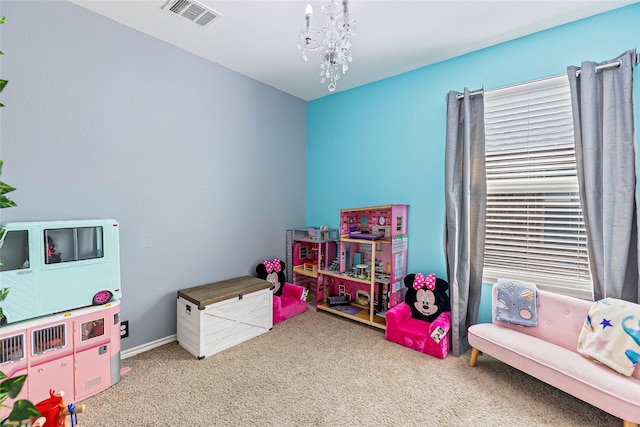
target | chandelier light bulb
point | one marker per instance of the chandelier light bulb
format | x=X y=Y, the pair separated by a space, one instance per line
x=332 y=42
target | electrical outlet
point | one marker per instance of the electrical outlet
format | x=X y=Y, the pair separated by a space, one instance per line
x=124 y=329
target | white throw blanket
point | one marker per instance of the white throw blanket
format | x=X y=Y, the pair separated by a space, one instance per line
x=611 y=334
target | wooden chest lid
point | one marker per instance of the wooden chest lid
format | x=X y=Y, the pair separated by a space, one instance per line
x=212 y=293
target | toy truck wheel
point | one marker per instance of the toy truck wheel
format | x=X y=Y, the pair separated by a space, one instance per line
x=102 y=297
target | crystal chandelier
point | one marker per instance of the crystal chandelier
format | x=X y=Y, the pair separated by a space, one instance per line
x=333 y=41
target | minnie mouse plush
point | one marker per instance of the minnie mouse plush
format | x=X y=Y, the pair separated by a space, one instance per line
x=427 y=296
x=272 y=272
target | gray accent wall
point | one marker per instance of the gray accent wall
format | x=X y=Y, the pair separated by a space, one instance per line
x=203 y=168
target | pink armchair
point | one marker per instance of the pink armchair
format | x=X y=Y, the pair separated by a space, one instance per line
x=417 y=334
x=288 y=299
x=292 y=302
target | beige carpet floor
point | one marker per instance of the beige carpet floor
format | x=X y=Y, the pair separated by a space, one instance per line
x=317 y=369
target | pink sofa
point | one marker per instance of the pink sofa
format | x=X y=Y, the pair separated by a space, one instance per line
x=549 y=352
x=417 y=334
x=290 y=303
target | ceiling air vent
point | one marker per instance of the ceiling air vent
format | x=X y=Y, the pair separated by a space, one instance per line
x=193 y=11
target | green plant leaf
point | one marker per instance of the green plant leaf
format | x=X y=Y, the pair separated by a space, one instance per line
x=3 y=19
x=6 y=188
x=12 y=386
x=2 y=375
x=6 y=202
x=3 y=83
x=23 y=410
x=3 y=295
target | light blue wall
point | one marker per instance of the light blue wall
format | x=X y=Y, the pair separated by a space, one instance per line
x=384 y=142
x=204 y=168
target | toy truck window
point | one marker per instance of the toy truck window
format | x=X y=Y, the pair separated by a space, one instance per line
x=14 y=250
x=12 y=349
x=73 y=244
x=50 y=338
x=92 y=329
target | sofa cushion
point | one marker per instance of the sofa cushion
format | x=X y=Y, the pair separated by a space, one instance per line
x=291 y=303
x=285 y=308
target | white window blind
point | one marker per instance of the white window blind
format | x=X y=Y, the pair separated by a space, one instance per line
x=535 y=229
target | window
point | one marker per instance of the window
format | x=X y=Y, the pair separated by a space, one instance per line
x=534 y=228
x=92 y=329
x=11 y=349
x=72 y=244
x=49 y=338
x=14 y=250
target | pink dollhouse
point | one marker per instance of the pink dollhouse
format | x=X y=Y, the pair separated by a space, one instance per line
x=311 y=249
x=369 y=267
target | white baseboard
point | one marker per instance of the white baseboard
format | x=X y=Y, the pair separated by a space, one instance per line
x=146 y=347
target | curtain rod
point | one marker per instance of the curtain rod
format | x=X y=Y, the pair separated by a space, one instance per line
x=598 y=68
x=613 y=64
x=603 y=66
x=474 y=93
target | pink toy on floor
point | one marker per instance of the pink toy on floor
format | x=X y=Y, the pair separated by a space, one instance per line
x=423 y=321
x=417 y=334
x=290 y=303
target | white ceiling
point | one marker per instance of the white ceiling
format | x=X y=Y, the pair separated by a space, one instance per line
x=258 y=38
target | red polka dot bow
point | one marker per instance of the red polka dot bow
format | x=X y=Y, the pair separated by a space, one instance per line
x=273 y=266
x=420 y=281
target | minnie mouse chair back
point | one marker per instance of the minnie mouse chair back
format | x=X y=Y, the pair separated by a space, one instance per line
x=288 y=299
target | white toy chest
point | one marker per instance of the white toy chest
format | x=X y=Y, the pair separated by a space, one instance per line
x=216 y=316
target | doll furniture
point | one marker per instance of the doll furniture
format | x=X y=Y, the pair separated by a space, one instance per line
x=432 y=338
x=216 y=316
x=548 y=352
x=290 y=303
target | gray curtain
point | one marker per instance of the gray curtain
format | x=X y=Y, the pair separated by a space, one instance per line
x=603 y=117
x=465 y=198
